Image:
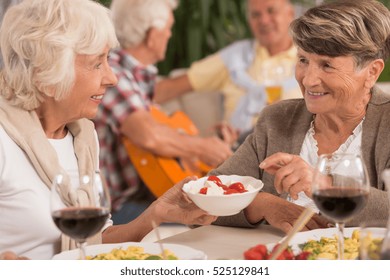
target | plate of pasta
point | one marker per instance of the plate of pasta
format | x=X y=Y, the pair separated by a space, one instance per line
x=322 y=243
x=135 y=251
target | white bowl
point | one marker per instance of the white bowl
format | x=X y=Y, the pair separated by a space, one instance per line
x=223 y=205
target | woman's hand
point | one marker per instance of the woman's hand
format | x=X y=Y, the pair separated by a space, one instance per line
x=292 y=173
x=280 y=213
x=8 y=255
x=227 y=133
x=174 y=206
x=214 y=151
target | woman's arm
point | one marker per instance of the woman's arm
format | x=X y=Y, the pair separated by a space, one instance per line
x=172 y=207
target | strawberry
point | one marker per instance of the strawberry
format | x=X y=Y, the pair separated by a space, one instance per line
x=258 y=252
x=253 y=255
x=286 y=254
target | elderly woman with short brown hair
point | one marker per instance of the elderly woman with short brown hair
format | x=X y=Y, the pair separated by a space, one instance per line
x=342 y=48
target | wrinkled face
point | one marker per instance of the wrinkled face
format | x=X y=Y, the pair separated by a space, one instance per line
x=269 y=21
x=332 y=84
x=161 y=37
x=92 y=77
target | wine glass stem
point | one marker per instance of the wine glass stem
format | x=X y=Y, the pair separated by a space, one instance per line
x=81 y=246
x=340 y=227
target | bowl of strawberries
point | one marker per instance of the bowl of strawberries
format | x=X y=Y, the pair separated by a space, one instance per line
x=223 y=195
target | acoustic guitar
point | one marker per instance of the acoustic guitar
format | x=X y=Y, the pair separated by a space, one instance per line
x=161 y=173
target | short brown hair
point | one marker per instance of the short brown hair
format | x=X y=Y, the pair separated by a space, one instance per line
x=358 y=28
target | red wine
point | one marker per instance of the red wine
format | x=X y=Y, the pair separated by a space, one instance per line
x=340 y=204
x=80 y=223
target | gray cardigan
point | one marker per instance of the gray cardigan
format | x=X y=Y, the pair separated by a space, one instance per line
x=282 y=128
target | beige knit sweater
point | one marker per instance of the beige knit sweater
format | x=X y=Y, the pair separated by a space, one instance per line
x=26 y=130
x=282 y=128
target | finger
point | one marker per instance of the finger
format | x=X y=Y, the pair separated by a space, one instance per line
x=226 y=135
x=200 y=217
x=305 y=228
x=277 y=159
x=301 y=186
x=295 y=189
x=281 y=175
x=312 y=224
x=7 y=255
x=285 y=227
x=206 y=219
x=321 y=221
x=289 y=183
x=308 y=192
x=187 y=179
x=271 y=169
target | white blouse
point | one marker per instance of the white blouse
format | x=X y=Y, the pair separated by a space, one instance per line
x=309 y=152
x=26 y=226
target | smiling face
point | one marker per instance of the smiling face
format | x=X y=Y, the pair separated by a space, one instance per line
x=269 y=21
x=333 y=85
x=92 y=77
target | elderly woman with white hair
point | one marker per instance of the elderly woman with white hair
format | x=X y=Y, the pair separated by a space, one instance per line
x=55 y=74
x=143 y=28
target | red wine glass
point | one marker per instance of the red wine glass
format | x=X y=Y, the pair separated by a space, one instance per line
x=340 y=189
x=79 y=208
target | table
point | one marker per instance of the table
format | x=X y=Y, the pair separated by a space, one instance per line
x=219 y=242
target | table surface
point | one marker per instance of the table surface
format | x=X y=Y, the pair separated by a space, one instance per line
x=219 y=242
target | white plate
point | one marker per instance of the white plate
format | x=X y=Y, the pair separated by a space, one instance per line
x=182 y=252
x=315 y=234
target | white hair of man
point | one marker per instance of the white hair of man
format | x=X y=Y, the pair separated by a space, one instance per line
x=134 y=18
x=39 y=41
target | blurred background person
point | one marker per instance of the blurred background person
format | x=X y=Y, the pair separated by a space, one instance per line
x=244 y=69
x=143 y=28
x=4 y=5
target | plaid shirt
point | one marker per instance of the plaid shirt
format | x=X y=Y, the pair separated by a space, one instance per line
x=134 y=91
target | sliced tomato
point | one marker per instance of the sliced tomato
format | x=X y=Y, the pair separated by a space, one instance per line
x=238 y=186
x=258 y=252
x=203 y=190
x=224 y=187
x=304 y=255
x=261 y=248
x=230 y=191
x=288 y=254
x=253 y=255
x=215 y=179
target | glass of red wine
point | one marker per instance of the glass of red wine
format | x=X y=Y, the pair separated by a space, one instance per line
x=340 y=189
x=79 y=208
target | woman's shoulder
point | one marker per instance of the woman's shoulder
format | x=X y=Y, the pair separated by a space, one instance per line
x=289 y=113
x=287 y=106
x=380 y=97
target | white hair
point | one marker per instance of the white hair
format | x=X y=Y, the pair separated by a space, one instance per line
x=133 y=18
x=39 y=42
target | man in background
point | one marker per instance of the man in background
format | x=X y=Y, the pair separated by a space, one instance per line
x=238 y=70
x=143 y=28
x=4 y=5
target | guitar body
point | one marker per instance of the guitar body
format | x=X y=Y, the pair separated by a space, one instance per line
x=161 y=173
